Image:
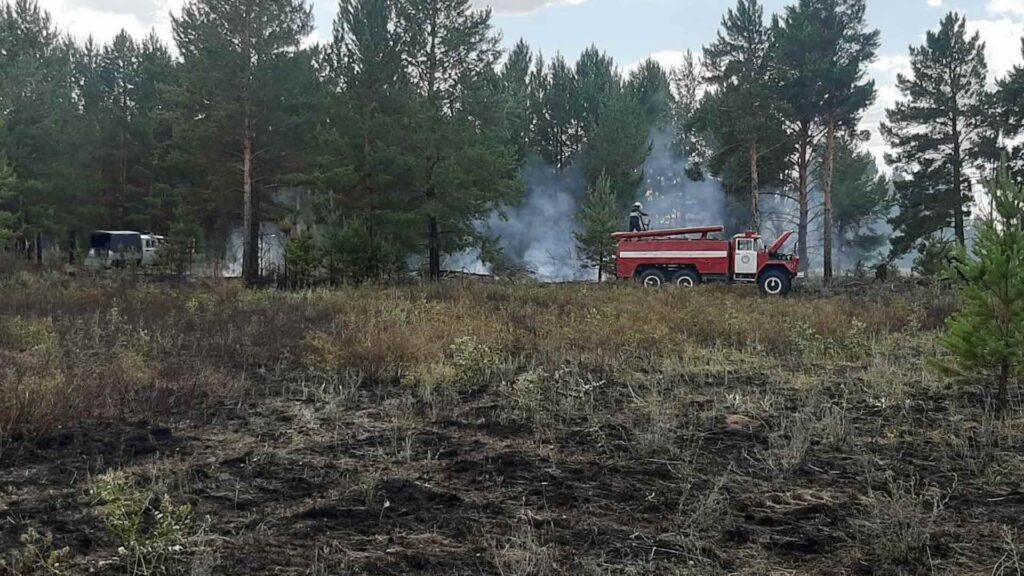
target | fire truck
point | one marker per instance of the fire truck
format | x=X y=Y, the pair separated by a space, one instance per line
x=691 y=256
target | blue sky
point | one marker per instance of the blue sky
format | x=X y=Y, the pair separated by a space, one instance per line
x=628 y=30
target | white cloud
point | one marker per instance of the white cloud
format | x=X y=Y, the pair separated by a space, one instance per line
x=668 y=59
x=1014 y=7
x=103 y=19
x=1002 y=42
x=935 y=3
x=521 y=6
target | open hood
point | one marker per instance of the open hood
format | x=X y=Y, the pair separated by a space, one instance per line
x=780 y=242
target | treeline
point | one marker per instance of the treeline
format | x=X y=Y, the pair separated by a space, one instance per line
x=412 y=124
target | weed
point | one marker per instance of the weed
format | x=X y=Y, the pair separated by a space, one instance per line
x=899 y=523
x=37 y=555
x=151 y=531
x=788 y=445
x=522 y=555
x=1012 y=561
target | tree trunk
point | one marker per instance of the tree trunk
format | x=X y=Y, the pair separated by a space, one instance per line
x=72 y=248
x=1003 y=392
x=958 y=205
x=39 y=248
x=755 y=193
x=803 y=194
x=250 y=218
x=830 y=153
x=434 y=249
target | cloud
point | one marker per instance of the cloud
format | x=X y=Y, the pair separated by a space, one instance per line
x=935 y=3
x=1014 y=7
x=1002 y=42
x=521 y=6
x=668 y=59
x=103 y=19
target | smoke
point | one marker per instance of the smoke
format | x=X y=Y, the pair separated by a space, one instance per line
x=538 y=235
x=272 y=251
x=670 y=197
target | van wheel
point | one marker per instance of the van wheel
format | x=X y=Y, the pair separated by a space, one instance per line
x=686 y=278
x=652 y=278
x=775 y=283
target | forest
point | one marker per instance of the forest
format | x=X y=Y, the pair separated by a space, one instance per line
x=391 y=146
x=360 y=421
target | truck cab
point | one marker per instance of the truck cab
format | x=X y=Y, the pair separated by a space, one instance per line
x=772 y=270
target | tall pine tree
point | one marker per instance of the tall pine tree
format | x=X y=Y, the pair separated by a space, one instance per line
x=739 y=115
x=235 y=55
x=849 y=47
x=936 y=133
x=466 y=168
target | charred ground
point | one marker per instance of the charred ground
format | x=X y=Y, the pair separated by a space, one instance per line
x=496 y=429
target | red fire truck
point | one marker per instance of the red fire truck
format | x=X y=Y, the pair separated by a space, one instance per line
x=690 y=256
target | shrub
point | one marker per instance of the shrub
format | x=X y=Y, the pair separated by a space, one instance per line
x=37 y=555
x=987 y=336
x=152 y=532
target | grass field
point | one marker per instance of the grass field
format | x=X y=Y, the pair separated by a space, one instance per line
x=495 y=429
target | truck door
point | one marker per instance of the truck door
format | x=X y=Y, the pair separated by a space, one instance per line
x=746 y=259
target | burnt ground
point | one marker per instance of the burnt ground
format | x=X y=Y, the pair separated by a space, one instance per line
x=380 y=483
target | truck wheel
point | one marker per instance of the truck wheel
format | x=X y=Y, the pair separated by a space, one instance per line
x=775 y=283
x=686 y=278
x=652 y=278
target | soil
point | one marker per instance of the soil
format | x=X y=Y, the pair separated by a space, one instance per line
x=290 y=486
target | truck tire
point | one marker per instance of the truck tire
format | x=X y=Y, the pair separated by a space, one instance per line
x=775 y=283
x=686 y=278
x=652 y=278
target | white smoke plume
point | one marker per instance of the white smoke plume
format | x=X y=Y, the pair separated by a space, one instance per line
x=670 y=197
x=272 y=251
x=538 y=235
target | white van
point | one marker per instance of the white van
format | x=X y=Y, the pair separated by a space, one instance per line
x=109 y=248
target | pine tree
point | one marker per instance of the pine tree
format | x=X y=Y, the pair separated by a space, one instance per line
x=558 y=132
x=597 y=81
x=849 y=47
x=987 y=336
x=653 y=90
x=234 y=54
x=364 y=166
x=861 y=202
x=465 y=167
x=598 y=219
x=8 y=218
x=739 y=116
x=1009 y=95
x=687 y=84
x=800 y=66
x=47 y=139
x=935 y=133
x=515 y=77
x=619 y=148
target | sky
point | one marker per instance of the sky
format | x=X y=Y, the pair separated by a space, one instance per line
x=628 y=30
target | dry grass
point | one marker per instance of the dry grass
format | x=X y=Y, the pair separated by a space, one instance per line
x=74 y=351
x=522 y=429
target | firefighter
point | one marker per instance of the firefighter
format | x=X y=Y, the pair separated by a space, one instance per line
x=638 y=220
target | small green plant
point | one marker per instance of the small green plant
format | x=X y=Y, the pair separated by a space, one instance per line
x=302 y=260
x=37 y=555
x=151 y=531
x=987 y=336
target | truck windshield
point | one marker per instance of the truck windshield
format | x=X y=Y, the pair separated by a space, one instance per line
x=115 y=242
